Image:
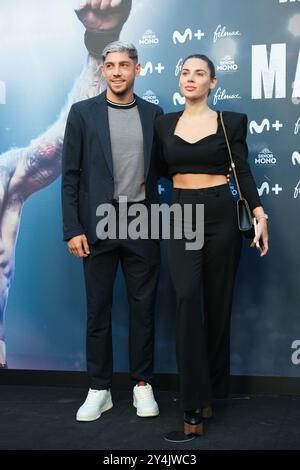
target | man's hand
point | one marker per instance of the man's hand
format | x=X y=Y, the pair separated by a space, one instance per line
x=103 y=15
x=78 y=246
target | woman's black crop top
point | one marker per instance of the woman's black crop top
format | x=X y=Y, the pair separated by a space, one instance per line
x=208 y=155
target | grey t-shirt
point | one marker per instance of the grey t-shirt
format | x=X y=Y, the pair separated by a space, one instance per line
x=126 y=137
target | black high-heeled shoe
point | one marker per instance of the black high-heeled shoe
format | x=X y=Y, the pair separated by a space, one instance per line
x=193 y=423
x=207 y=412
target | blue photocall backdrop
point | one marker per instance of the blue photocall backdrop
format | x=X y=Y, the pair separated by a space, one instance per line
x=255 y=46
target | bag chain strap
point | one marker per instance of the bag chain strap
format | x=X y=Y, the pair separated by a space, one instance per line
x=231 y=159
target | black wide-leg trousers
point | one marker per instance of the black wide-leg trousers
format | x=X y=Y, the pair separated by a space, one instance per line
x=204 y=280
x=140 y=265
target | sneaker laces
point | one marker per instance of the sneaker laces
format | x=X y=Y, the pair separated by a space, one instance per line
x=91 y=395
x=144 y=392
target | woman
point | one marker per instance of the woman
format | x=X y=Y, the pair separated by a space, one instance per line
x=197 y=160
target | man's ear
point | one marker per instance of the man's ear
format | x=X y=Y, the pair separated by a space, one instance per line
x=137 y=69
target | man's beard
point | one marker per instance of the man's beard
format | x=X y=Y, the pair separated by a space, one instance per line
x=121 y=92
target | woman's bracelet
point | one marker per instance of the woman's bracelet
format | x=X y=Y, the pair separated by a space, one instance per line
x=262 y=216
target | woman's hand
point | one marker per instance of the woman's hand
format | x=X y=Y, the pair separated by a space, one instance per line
x=262 y=236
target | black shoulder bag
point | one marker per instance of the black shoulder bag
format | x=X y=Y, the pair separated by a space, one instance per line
x=244 y=215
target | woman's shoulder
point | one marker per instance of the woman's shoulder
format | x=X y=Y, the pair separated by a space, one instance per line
x=167 y=118
x=164 y=121
x=235 y=122
x=234 y=117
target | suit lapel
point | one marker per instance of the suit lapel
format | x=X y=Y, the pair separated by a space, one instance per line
x=100 y=120
x=147 y=126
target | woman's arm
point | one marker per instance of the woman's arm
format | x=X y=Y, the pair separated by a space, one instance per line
x=162 y=166
x=247 y=184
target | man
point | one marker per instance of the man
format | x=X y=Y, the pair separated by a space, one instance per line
x=110 y=152
x=27 y=170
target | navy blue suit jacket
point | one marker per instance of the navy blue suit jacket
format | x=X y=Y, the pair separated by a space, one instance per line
x=87 y=167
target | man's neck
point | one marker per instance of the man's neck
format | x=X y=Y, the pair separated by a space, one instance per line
x=120 y=99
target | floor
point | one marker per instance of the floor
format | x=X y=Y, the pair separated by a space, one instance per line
x=43 y=418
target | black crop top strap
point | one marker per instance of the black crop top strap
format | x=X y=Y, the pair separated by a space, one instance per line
x=208 y=155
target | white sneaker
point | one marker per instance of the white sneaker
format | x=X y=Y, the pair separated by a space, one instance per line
x=97 y=401
x=144 y=401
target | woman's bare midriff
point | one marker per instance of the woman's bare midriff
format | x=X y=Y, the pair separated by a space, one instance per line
x=197 y=181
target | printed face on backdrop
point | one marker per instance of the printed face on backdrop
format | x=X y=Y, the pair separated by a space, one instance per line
x=119 y=71
x=195 y=80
